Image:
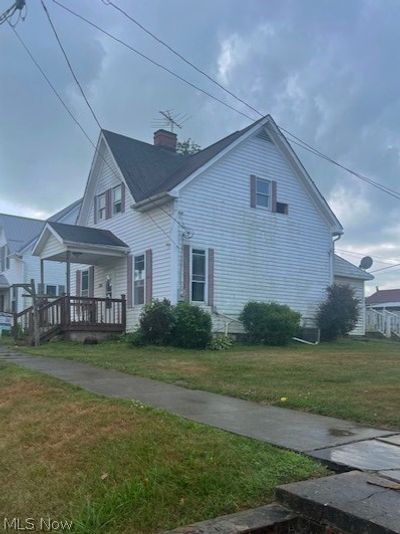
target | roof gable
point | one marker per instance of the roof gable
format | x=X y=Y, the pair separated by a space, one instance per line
x=345 y=269
x=19 y=230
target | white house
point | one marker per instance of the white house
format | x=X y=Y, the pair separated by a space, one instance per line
x=240 y=220
x=17 y=265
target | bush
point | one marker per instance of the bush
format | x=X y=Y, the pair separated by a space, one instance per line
x=135 y=338
x=220 y=343
x=192 y=327
x=339 y=313
x=156 y=322
x=269 y=323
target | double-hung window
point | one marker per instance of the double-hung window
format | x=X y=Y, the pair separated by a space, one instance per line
x=139 y=279
x=101 y=207
x=84 y=283
x=263 y=193
x=198 y=275
x=117 y=199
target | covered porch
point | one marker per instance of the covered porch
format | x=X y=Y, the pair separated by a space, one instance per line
x=77 y=315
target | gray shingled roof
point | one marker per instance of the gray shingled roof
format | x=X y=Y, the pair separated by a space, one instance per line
x=344 y=268
x=85 y=234
x=19 y=230
x=3 y=281
x=149 y=170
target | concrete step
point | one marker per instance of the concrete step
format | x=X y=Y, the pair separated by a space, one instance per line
x=353 y=502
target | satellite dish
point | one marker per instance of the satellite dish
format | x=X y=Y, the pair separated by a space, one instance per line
x=366 y=263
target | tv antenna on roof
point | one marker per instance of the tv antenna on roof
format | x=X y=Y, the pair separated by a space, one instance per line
x=169 y=120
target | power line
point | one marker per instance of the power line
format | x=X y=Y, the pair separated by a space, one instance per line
x=361 y=255
x=385 y=268
x=180 y=56
x=7 y=15
x=69 y=63
x=57 y=94
x=303 y=144
x=147 y=58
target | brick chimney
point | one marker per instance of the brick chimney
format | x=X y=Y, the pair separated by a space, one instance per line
x=165 y=139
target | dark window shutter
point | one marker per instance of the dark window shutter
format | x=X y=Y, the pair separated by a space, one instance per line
x=108 y=203
x=95 y=209
x=91 y=281
x=78 y=283
x=273 y=195
x=123 y=197
x=253 y=191
x=210 y=277
x=149 y=275
x=186 y=272
x=129 y=275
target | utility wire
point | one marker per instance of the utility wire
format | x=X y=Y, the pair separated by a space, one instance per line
x=88 y=103
x=180 y=56
x=385 y=268
x=76 y=121
x=300 y=142
x=361 y=255
x=69 y=64
x=147 y=58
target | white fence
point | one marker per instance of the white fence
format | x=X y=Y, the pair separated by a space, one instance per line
x=384 y=322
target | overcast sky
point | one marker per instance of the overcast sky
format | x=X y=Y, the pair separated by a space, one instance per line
x=325 y=70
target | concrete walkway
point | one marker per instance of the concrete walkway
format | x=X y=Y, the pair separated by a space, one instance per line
x=298 y=431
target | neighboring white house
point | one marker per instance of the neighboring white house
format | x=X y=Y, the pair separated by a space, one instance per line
x=385 y=299
x=240 y=220
x=17 y=265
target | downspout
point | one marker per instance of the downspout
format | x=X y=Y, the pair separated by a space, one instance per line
x=336 y=237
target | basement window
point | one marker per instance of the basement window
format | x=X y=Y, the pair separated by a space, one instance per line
x=117 y=199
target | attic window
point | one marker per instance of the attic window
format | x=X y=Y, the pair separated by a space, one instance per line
x=281 y=207
x=117 y=199
x=262 y=193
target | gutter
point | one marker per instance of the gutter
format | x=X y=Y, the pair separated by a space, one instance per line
x=154 y=201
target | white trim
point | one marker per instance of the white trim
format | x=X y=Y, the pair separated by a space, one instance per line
x=144 y=279
x=205 y=249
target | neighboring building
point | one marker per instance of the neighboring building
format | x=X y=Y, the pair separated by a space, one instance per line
x=385 y=299
x=17 y=265
x=240 y=220
x=347 y=273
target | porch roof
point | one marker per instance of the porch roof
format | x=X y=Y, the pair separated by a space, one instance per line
x=78 y=244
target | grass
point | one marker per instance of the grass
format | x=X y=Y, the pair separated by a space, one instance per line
x=116 y=466
x=352 y=379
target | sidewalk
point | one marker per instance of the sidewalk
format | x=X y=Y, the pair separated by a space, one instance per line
x=335 y=441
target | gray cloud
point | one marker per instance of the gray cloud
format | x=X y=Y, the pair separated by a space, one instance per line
x=325 y=70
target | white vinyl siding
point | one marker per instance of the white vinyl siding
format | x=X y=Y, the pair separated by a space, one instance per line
x=140 y=231
x=358 y=286
x=259 y=255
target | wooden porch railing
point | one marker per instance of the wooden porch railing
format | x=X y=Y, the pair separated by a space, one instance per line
x=384 y=322
x=73 y=313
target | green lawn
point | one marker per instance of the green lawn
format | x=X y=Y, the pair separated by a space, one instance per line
x=352 y=379
x=116 y=466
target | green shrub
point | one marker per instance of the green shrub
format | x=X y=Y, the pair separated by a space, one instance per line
x=339 y=313
x=269 y=323
x=135 y=338
x=220 y=343
x=192 y=327
x=156 y=322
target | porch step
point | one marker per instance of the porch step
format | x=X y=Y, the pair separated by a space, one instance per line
x=353 y=502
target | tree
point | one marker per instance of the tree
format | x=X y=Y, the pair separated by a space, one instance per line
x=188 y=147
x=339 y=313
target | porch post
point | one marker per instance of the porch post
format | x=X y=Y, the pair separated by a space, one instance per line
x=68 y=273
x=42 y=274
